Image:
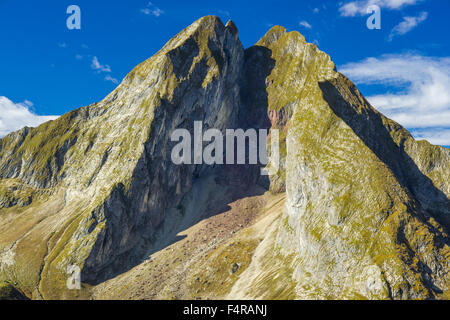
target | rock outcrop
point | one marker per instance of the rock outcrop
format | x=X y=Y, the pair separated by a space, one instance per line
x=358 y=209
x=367 y=206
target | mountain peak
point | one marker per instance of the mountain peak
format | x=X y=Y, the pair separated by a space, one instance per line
x=210 y=20
x=357 y=208
x=272 y=35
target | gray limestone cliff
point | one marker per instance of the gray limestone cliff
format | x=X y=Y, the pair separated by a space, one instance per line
x=365 y=209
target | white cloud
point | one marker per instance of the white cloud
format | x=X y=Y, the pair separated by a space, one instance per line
x=113 y=80
x=153 y=10
x=423 y=101
x=316 y=10
x=407 y=25
x=434 y=136
x=14 y=116
x=305 y=24
x=359 y=7
x=96 y=65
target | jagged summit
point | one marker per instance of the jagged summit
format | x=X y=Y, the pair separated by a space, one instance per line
x=358 y=209
x=232 y=27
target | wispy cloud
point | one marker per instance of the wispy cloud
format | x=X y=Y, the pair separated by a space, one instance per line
x=101 y=68
x=96 y=65
x=14 y=116
x=224 y=13
x=153 y=10
x=359 y=7
x=62 y=45
x=423 y=102
x=305 y=24
x=407 y=25
x=439 y=136
x=113 y=80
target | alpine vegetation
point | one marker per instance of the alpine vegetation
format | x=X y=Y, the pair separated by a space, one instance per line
x=156 y=191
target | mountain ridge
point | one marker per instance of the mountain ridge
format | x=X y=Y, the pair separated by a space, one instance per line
x=96 y=188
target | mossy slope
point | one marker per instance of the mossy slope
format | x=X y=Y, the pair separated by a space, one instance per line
x=107 y=166
x=367 y=205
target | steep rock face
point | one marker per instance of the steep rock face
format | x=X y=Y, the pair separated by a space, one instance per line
x=366 y=209
x=367 y=206
x=112 y=159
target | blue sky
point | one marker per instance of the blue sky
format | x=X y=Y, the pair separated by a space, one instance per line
x=47 y=69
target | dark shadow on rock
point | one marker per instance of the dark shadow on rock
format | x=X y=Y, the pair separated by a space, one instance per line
x=227 y=184
x=151 y=172
x=258 y=66
x=242 y=180
x=254 y=98
x=183 y=56
x=368 y=126
x=9 y=292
